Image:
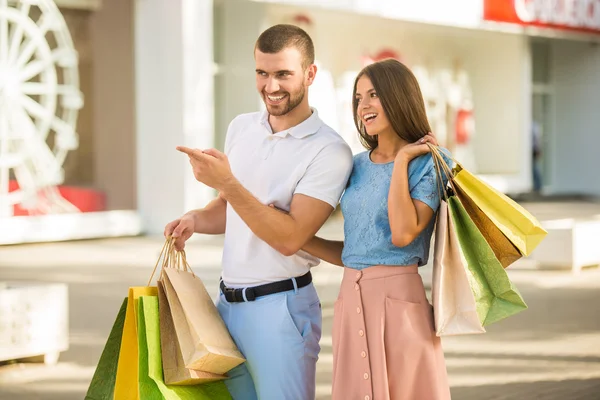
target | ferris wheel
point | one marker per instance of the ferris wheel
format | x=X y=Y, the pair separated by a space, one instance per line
x=39 y=103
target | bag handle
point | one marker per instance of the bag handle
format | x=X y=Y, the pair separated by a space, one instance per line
x=171 y=258
x=164 y=255
x=439 y=179
x=441 y=167
x=182 y=263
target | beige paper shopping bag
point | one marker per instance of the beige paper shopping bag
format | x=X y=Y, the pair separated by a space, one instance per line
x=174 y=370
x=454 y=306
x=212 y=348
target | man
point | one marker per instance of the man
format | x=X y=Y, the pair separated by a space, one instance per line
x=285 y=156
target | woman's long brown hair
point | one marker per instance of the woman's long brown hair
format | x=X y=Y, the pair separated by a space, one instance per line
x=401 y=99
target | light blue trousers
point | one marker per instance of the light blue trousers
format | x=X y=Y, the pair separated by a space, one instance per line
x=279 y=336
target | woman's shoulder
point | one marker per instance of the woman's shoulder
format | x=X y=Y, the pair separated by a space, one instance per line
x=425 y=162
x=360 y=159
x=425 y=165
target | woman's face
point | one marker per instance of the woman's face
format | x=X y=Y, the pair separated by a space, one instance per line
x=369 y=109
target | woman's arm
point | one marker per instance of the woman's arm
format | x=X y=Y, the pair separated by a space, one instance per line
x=327 y=250
x=408 y=217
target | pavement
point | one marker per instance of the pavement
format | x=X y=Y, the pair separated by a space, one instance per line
x=550 y=351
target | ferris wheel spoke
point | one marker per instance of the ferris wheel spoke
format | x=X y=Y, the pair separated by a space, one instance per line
x=3 y=31
x=38 y=39
x=17 y=35
x=38 y=88
x=26 y=50
x=33 y=69
x=39 y=153
x=71 y=98
x=9 y=158
x=35 y=109
x=62 y=58
x=4 y=151
x=23 y=123
x=65 y=134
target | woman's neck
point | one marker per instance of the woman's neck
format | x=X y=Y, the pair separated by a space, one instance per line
x=388 y=146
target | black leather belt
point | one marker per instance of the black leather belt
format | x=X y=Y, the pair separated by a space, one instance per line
x=251 y=293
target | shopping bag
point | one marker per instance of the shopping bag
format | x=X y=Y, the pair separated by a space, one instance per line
x=102 y=386
x=127 y=382
x=454 y=306
x=174 y=370
x=506 y=252
x=211 y=348
x=152 y=385
x=496 y=296
x=516 y=223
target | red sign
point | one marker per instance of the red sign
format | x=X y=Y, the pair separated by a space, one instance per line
x=574 y=15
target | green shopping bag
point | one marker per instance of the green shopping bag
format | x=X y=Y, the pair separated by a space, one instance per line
x=102 y=386
x=496 y=296
x=152 y=385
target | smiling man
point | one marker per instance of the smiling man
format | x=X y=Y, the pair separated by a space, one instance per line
x=285 y=156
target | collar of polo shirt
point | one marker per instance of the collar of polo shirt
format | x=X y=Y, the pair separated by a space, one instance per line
x=306 y=128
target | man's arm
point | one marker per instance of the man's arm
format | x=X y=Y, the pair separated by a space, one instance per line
x=286 y=233
x=327 y=250
x=324 y=179
x=211 y=219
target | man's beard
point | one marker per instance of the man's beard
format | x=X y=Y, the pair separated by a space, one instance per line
x=291 y=102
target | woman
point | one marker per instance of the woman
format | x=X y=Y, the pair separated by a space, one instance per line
x=384 y=343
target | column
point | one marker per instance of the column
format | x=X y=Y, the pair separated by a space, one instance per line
x=174 y=105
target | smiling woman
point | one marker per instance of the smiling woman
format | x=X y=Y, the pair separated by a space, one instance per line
x=388 y=206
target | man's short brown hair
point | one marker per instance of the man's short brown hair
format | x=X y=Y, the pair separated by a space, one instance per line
x=282 y=36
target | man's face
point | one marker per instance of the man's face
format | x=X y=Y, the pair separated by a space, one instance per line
x=281 y=80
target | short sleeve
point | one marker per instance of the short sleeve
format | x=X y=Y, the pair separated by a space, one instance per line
x=326 y=176
x=427 y=189
x=230 y=136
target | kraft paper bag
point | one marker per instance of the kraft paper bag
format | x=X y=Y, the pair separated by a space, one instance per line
x=211 y=348
x=174 y=370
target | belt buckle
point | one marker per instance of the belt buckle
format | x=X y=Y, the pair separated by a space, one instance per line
x=236 y=295
x=231 y=295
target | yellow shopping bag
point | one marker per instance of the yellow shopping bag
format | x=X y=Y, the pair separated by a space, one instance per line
x=127 y=384
x=516 y=223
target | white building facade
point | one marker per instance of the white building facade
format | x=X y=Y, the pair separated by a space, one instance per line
x=176 y=72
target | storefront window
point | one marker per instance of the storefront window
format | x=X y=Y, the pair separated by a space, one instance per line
x=541 y=109
x=540 y=54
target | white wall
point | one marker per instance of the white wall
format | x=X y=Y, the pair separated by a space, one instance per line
x=497 y=64
x=494 y=61
x=576 y=141
x=237 y=25
x=464 y=13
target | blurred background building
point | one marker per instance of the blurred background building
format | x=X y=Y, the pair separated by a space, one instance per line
x=511 y=88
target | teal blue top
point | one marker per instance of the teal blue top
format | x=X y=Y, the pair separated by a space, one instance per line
x=368 y=236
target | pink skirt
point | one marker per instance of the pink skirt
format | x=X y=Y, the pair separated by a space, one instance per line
x=384 y=343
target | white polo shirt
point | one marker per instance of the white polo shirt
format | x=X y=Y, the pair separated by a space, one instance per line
x=309 y=159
